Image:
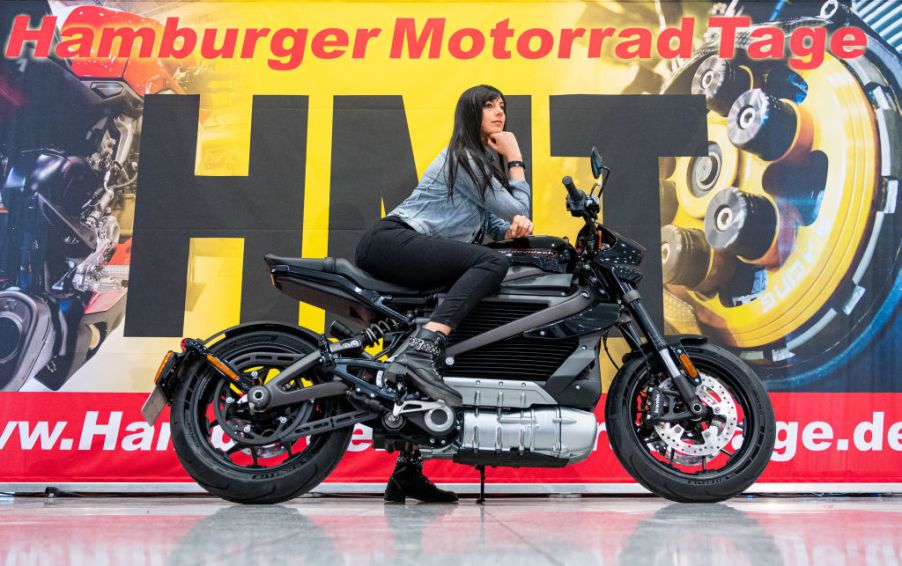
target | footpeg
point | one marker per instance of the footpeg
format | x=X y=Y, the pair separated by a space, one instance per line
x=436 y=416
x=415 y=406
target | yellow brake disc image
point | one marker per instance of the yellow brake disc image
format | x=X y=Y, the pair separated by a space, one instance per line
x=783 y=242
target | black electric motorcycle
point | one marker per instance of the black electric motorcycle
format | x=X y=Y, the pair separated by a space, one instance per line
x=263 y=412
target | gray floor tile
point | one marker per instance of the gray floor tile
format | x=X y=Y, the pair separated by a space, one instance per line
x=506 y=531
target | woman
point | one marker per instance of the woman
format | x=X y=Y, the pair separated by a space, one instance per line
x=476 y=186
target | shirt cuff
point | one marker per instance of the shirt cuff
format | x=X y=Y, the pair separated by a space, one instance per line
x=499 y=230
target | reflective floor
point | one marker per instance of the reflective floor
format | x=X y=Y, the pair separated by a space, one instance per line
x=505 y=531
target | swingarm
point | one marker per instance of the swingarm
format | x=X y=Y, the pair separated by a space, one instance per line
x=262 y=397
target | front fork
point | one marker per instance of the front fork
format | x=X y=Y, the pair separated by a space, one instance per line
x=675 y=361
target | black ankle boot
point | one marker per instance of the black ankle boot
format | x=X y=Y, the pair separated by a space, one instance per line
x=418 y=363
x=408 y=481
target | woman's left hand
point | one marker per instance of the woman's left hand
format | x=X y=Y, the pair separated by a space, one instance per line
x=520 y=228
x=506 y=144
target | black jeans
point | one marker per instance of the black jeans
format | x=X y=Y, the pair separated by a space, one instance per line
x=393 y=251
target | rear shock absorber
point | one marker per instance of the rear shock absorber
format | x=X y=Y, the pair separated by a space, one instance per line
x=370 y=335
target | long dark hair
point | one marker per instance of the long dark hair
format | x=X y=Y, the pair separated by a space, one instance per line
x=466 y=140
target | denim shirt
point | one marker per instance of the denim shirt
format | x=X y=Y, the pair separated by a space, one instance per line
x=468 y=217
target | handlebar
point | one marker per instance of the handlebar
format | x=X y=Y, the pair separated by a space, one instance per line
x=578 y=203
x=574 y=193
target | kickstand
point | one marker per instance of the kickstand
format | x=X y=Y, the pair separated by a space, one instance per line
x=481 y=499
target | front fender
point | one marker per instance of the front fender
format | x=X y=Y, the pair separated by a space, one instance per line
x=672 y=340
x=633 y=360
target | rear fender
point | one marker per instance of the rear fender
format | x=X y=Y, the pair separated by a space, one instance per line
x=173 y=369
x=256 y=326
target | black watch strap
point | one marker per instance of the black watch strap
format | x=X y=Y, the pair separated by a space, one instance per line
x=516 y=164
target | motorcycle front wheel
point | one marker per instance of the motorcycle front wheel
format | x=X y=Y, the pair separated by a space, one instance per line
x=243 y=457
x=706 y=460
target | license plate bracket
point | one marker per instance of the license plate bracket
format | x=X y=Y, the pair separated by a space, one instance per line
x=154 y=405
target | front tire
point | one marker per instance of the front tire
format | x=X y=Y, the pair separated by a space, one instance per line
x=256 y=472
x=673 y=460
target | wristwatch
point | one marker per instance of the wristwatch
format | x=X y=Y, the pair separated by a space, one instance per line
x=516 y=164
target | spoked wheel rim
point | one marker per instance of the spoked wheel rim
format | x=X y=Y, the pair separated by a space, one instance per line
x=712 y=448
x=252 y=442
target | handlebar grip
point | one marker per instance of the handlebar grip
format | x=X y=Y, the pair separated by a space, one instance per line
x=571 y=188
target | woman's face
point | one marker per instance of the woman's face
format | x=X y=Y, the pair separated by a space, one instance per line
x=493 y=117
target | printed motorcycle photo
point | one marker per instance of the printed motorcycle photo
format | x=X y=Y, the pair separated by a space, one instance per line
x=68 y=178
x=263 y=412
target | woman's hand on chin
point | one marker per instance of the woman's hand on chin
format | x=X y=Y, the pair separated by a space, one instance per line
x=506 y=144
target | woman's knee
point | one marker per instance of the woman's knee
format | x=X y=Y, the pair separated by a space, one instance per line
x=497 y=263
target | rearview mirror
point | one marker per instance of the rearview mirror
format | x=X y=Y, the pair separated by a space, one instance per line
x=595 y=160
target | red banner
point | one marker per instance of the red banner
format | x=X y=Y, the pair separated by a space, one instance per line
x=101 y=437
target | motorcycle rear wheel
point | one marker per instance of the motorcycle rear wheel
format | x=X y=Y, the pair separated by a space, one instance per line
x=682 y=475
x=208 y=430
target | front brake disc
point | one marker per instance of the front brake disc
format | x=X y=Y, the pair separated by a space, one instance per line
x=687 y=447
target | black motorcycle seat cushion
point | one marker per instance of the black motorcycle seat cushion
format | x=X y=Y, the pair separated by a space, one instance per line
x=347 y=269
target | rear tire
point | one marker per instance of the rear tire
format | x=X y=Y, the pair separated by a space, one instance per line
x=211 y=468
x=630 y=441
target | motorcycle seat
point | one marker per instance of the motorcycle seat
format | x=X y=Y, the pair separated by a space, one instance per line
x=345 y=268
